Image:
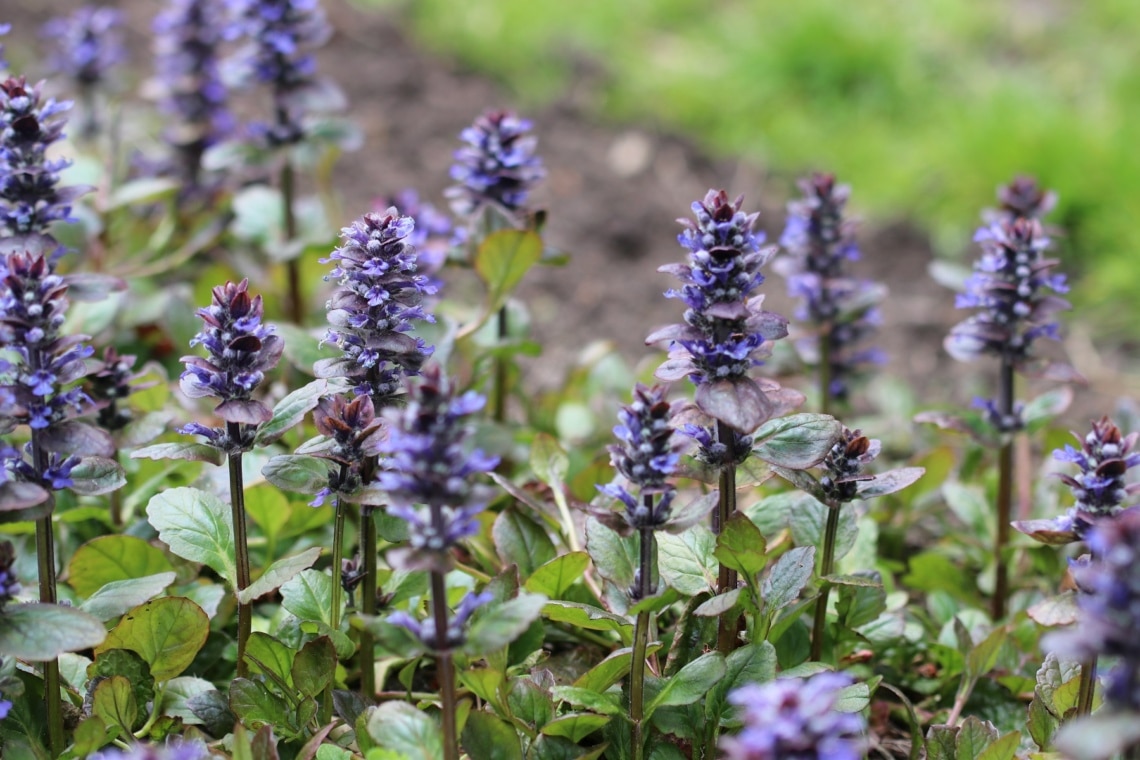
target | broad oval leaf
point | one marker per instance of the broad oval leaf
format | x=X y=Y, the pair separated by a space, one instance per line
x=411 y=733
x=691 y=682
x=797 y=441
x=194 y=452
x=42 y=632
x=94 y=476
x=297 y=473
x=291 y=410
x=788 y=577
x=116 y=597
x=108 y=559
x=197 y=526
x=503 y=259
x=281 y=571
x=889 y=482
x=166 y=632
x=687 y=562
x=503 y=623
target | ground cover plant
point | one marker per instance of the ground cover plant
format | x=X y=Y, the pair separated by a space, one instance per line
x=254 y=527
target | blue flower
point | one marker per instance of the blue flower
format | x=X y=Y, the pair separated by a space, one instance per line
x=795 y=718
x=424 y=630
x=85 y=45
x=174 y=749
x=1104 y=458
x=496 y=168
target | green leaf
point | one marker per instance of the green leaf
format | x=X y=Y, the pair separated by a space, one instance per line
x=485 y=737
x=557 y=575
x=1004 y=748
x=755 y=663
x=686 y=562
x=853 y=698
x=116 y=597
x=269 y=656
x=291 y=410
x=859 y=605
x=691 y=682
x=798 y=441
x=610 y=670
x=1042 y=725
x=599 y=702
x=95 y=476
x=402 y=728
x=114 y=703
x=970 y=505
x=297 y=473
x=503 y=259
x=741 y=546
x=807 y=522
x=256 y=706
x=125 y=663
x=213 y=709
x=177 y=694
x=302 y=348
x=309 y=596
x=584 y=616
x=530 y=701
x=547 y=460
x=575 y=726
x=984 y=656
x=787 y=578
x=720 y=604
x=146 y=190
x=197 y=526
x=314 y=666
x=615 y=558
x=268 y=508
x=502 y=624
x=1046 y=406
x=974 y=736
x=42 y=632
x=521 y=541
x=194 y=452
x=166 y=632
x=281 y=571
x=1051 y=676
x=113 y=558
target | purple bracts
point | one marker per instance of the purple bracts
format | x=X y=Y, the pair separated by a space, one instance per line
x=497 y=166
x=1104 y=458
x=795 y=719
x=379 y=299
x=355 y=434
x=844 y=465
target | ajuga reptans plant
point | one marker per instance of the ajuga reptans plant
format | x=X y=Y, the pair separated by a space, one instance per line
x=85 y=47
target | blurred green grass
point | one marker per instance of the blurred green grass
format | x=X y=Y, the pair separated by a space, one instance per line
x=924 y=107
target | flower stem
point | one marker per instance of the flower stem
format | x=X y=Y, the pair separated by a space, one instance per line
x=293 y=266
x=726 y=577
x=830 y=531
x=641 y=639
x=337 y=589
x=445 y=666
x=1087 y=687
x=241 y=544
x=368 y=603
x=1004 y=497
x=500 y=381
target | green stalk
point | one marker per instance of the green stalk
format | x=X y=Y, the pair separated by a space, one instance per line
x=368 y=603
x=444 y=664
x=1004 y=497
x=830 y=531
x=1087 y=687
x=241 y=544
x=726 y=577
x=499 y=408
x=293 y=266
x=648 y=547
x=337 y=588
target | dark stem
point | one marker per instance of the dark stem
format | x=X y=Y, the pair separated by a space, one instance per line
x=645 y=589
x=831 y=529
x=825 y=369
x=116 y=500
x=1087 y=687
x=500 y=380
x=368 y=603
x=337 y=588
x=445 y=666
x=241 y=544
x=293 y=266
x=726 y=577
x=1004 y=496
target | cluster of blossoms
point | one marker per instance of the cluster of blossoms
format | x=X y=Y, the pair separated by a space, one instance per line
x=280 y=36
x=647 y=454
x=30 y=196
x=496 y=168
x=1100 y=489
x=85 y=45
x=379 y=298
x=111 y=381
x=176 y=749
x=840 y=308
x=239 y=349
x=726 y=333
x=424 y=630
x=429 y=473
x=1021 y=198
x=191 y=91
x=1110 y=607
x=433 y=233
x=795 y=718
x=354 y=435
x=844 y=465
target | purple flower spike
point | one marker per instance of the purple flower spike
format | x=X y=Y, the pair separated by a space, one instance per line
x=496 y=168
x=30 y=196
x=795 y=718
x=86 y=45
x=844 y=465
x=1110 y=606
x=239 y=351
x=840 y=308
x=1022 y=197
x=424 y=630
x=726 y=333
x=174 y=749
x=1104 y=458
x=1011 y=288
x=430 y=470
x=188 y=35
x=355 y=434
x=4 y=29
x=379 y=299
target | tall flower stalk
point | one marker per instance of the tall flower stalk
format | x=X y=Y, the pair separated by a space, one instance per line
x=495 y=171
x=839 y=309
x=430 y=476
x=239 y=351
x=647 y=453
x=1013 y=290
x=378 y=300
x=85 y=46
x=725 y=334
x=281 y=35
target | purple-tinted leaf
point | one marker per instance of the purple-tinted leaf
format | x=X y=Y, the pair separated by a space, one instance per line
x=291 y=410
x=671 y=332
x=675 y=369
x=1048 y=532
x=326 y=368
x=243 y=411
x=144 y=430
x=889 y=482
x=683 y=518
x=797 y=442
x=16 y=496
x=194 y=452
x=739 y=403
x=94 y=476
x=1047 y=406
x=78 y=439
x=803 y=481
x=300 y=474
x=1055 y=610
